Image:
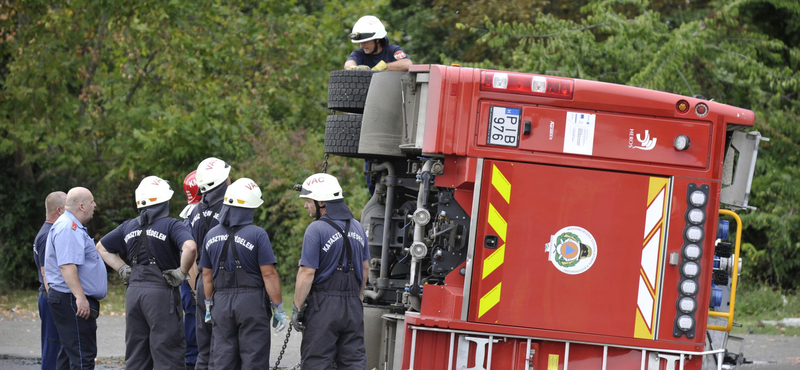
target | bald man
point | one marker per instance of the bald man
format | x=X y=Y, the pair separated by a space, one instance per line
x=77 y=279
x=51 y=344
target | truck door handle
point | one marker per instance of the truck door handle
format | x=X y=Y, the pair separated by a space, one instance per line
x=490 y=241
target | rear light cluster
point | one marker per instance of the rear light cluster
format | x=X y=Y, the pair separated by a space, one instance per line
x=683 y=106
x=693 y=235
x=527 y=84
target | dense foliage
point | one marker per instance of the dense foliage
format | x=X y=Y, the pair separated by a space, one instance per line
x=101 y=93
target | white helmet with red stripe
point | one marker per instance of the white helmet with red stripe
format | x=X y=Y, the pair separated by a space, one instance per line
x=321 y=187
x=211 y=173
x=243 y=193
x=151 y=191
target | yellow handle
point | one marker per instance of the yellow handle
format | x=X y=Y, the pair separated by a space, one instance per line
x=729 y=315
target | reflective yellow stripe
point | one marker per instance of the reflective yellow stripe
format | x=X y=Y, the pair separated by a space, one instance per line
x=489 y=300
x=494 y=261
x=501 y=184
x=497 y=222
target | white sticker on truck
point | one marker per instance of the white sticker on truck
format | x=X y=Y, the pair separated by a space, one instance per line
x=579 y=133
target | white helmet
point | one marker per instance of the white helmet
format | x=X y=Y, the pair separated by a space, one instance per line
x=321 y=187
x=368 y=27
x=151 y=191
x=243 y=193
x=211 y=172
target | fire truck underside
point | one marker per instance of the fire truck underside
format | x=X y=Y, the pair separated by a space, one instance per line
x=535 y=222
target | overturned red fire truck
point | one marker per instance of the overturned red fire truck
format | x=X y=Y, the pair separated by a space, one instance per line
x=521 y=221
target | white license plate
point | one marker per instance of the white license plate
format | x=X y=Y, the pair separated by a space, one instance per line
x=504 y=126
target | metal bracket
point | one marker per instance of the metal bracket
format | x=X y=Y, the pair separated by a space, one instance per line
x=737 y=193
x=480 y=352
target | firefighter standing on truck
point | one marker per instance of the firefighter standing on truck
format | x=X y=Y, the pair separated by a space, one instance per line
x=330 y=280
x=212 y=178
x=161 y=251
x=375 y=53
x=240 y=280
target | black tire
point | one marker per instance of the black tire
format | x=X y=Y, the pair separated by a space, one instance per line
x=719 y=277
x=724 y=249
x=347 y=90
x=342 y=133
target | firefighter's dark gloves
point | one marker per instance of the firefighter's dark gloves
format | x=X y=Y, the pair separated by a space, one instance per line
x=297 y=318
x=174 y=277
x=125 y=273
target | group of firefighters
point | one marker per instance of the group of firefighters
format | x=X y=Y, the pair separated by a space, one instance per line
x=202 y=292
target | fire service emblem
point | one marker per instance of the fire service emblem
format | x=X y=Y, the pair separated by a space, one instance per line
x=572 y=250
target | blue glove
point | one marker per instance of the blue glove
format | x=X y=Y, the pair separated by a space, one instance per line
x=209 y=303
x=279 y=320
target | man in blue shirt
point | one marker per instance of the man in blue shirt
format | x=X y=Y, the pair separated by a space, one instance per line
x=240 y=280
x=212 y=178
x=375 y=53
x=161 y=251
x=51 y=344
x=331 y=280
x=77 y=279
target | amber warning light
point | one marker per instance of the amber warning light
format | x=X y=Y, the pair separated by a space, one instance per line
x=528 y=84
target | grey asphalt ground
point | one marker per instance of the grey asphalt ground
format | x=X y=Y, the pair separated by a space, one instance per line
x=20 y=347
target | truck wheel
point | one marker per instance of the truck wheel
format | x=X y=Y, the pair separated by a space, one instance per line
x=347 y=90
x=342 y=133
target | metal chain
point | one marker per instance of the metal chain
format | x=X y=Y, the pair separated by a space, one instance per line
x=283 y=349
x=325 y=163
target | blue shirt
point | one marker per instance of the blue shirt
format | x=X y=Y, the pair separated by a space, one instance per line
x=68 y=242
x=166 y=236
x=322 y=246
x=252 y=243
x=389 y=54
x=198 y=227
x=39 y=245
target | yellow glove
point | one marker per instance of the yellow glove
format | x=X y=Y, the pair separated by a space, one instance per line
x=380 y=66
x=358 y=68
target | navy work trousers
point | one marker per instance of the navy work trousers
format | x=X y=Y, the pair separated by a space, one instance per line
x=203 y=333
x=51 y=344
x=189 y=323
x=78 y=335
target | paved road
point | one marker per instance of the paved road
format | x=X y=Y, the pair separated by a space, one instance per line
x=19 y=346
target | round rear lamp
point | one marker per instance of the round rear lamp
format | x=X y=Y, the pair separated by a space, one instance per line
x=696 y=216
x=701 y=110
x=694 y=234
x=688 y=287
x=686 y=305
x=692 y=251
x=681 y=142
x=685 y=323
x=682 y=106
x=697 y=198
x=690 y=269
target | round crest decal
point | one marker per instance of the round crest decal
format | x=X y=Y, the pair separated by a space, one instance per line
x=572 y=250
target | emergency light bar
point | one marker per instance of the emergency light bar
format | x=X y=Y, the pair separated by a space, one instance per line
x=528 y=84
